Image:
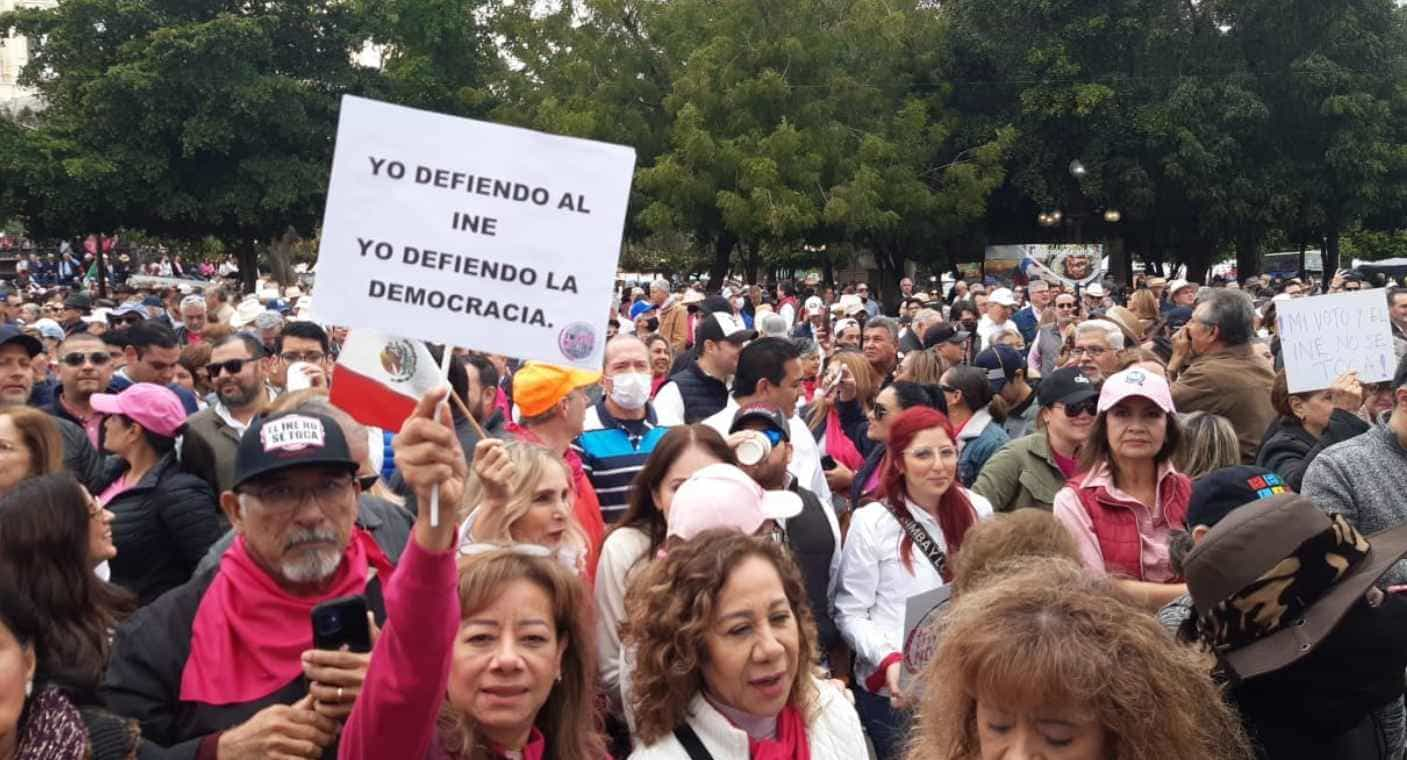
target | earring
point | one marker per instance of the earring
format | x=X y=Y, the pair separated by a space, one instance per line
x=29 y=688
x=559 y=677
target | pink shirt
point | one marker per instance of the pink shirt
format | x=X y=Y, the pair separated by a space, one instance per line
x=1153 y=531
x=92 y=424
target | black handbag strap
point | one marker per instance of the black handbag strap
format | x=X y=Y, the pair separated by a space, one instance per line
x=921 y=539
x=692 y=744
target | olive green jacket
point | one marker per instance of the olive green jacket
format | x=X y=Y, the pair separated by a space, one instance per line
x=1021 y=474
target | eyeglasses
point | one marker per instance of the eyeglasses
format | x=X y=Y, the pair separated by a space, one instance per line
x=949 y=389
x=97 y=358
x=311 y=357
x=880 y=411
x=126 y=320
x=367 y=482
x=1088 y=406
x=282 y=498
x=1094 y=351
x=928 y=455
x=233 y=367
x=1066 y=306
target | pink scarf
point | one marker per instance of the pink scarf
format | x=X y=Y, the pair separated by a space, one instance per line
x=249 y=634
x=791 y=742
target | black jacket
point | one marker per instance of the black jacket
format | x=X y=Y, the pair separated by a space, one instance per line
x=704 y=396
x=80 y=458
x=1288 y=448
x=149 y=656
x=162 y=527
x=813 y=546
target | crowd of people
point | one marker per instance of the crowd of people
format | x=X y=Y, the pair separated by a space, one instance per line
x=712 y=548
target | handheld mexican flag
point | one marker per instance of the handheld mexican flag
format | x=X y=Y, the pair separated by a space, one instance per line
x=379 y=378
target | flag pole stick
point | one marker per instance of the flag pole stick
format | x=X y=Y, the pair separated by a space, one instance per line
x=446 y=355
x=464 y=408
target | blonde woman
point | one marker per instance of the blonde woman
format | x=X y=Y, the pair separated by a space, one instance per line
x=1208 y=443
x=521 y=493
x=923 y=367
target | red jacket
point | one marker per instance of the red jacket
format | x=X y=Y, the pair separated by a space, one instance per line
x=1116 y=523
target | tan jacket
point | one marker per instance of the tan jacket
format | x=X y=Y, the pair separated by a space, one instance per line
x=223 y=440
x=1234 y=384
x=674 y=325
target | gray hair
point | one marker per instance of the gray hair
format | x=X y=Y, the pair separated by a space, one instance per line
x=807 y=347
x=1111 y=332
x=1232 y=313
x=888 y=323
x=193 y=300
x=773 y=326
x=660 y=284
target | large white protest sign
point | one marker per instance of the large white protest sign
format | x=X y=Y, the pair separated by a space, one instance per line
x=1325 y=336
x=472 y=234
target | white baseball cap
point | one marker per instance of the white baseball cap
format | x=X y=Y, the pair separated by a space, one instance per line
x=1002 y=296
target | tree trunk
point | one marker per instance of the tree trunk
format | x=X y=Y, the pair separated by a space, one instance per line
x=828 y=271
x=248 y=256
x=1247 y=255
x=722 y=255
x=101 y=259
x=1198 y=258
x=1330 y=256
x=281 y=256
x=750 y=262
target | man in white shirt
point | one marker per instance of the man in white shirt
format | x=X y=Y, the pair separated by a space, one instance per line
x=1000 y=305
x=769 y=373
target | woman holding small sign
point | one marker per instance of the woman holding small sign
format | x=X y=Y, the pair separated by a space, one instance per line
x=896 y=548
x=1309 y=423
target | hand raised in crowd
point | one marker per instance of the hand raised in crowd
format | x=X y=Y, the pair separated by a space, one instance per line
x=316 y=377
x=1347 y=392
x=495 y=470
x=335 y=677
x=428 y=455
x=279 y=732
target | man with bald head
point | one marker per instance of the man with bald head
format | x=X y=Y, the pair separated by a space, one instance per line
x=620 y=430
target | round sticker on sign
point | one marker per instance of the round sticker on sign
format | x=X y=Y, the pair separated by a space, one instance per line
x=577 y=341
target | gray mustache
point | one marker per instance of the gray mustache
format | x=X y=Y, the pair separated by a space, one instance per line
x=313 y=536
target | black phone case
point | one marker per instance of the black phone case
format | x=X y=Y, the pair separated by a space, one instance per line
x=341 y=621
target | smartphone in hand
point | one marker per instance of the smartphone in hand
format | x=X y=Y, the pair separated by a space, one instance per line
x=339 y=622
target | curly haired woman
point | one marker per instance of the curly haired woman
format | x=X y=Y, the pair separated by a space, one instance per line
x=725 y=652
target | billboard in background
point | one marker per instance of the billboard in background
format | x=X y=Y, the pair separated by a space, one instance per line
x=1076 y=265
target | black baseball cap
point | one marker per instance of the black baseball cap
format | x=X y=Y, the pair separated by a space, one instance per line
x=291 y=439
x=944 y=333
x=763 y=413
x=78 y=301
x=1219 y=492
x=722 y=326
x=12 y=334
x=1067 y=385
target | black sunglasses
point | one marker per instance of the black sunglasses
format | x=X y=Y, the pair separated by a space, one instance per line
x=1088 y=406
x=233 y=367
x=367 y=482
x=76 y=359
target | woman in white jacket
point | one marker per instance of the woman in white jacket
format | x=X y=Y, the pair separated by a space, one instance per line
x=725 y=659
x=883 y=565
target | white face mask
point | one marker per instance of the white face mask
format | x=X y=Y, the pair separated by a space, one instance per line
x=631 y=389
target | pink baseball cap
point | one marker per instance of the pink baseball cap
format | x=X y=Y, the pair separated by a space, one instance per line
x=1135 y=382
x=722 y=496
x=153 y=407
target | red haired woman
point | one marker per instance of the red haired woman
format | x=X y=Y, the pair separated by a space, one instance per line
x=897 y=547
